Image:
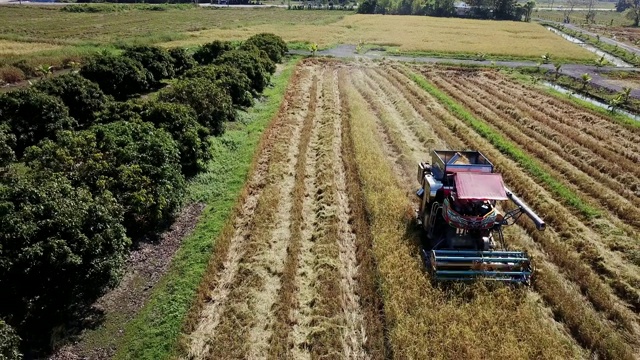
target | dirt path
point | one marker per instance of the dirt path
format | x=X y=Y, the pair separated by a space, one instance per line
x=145 y=267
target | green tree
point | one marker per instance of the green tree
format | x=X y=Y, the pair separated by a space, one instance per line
x=181 y=122
x=208 y=53
x=634 y=11
x=182 y=60
x=118 y=76
x=9 y=342
x=212 y=104
x=235 y=82
x=83 y=98
x=528 y=9
x=136 y=162
x=251 y=64
x=7 y=144
x=155 y=60
x=272 y=44
x=61 y=246
x=32 y=115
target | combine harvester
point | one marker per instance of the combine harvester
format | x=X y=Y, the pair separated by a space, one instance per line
x=463 y=227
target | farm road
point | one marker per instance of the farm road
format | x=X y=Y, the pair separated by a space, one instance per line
x=573 y=70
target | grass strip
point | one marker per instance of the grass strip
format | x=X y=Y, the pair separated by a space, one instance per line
x=154 y=332
x=505 y=146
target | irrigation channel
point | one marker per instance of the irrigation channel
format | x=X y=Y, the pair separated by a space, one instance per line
x=610 y=58
x=589 y=99
x=324 y=258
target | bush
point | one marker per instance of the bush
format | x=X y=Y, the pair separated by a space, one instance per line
x=211 y=103
x=155 y=60
x=28 y=68
x=181 y=122
x=32 y=115
x=11 y=74
x=7 y=144
x=120 y=111
x=208 y=53
x=251 y=64
x=182 y=61
x=234 y=81
x=9 y=343
x=118 y=76
x=138 y=163
x=272 y=44
x=83 y=97
x=60 y=247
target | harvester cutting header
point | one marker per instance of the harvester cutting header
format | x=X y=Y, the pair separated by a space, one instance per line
x=459 y=192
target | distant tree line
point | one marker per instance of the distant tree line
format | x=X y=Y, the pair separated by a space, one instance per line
x=479 y=9
x=88 y=167
x=634 y=10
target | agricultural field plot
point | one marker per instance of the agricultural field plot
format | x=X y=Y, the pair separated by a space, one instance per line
x=55 y=36
x=322 y=259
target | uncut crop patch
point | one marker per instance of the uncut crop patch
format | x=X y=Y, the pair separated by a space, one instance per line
x=322 y=256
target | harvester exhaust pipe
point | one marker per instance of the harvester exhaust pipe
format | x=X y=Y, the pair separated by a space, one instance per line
x=540 y=224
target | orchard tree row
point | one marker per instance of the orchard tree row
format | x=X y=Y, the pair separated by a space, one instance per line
x=87 y=167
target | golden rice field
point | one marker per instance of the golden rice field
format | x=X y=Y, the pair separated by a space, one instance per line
x=412 y=33
x=42 y=29
x=321 y=257
x=10 y=48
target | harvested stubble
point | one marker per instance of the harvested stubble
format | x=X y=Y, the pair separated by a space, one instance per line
x=586 y=325
x=225 y=265
x=451 y=318
x=611 y=230
x=291 y=284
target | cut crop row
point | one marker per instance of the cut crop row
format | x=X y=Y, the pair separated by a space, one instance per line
x=456 y=133
x=558 y=168
x=205 y=337
x=413 y=307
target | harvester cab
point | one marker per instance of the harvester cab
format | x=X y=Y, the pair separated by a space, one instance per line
x=458 y=211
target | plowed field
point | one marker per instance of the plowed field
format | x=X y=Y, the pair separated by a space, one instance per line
x=321 y=259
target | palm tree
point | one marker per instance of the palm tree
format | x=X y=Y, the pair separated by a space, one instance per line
x=558 y=66
x=585 y=78
x=313 y=48
x=45 y=70
x=546 y=58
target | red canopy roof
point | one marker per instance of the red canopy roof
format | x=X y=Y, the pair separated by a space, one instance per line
x=480 y=186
